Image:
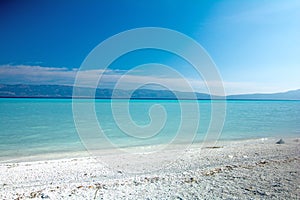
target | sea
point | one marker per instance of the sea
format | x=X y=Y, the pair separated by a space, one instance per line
x=35 y=127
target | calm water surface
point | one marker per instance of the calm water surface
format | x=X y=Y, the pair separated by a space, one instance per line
x=38 y=126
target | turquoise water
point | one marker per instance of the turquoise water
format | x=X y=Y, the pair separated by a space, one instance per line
x=40 y=126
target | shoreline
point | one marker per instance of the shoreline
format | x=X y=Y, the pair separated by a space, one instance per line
x=256 y=168
x=69 y=154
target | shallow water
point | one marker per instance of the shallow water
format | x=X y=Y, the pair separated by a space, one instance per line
x=30 y=127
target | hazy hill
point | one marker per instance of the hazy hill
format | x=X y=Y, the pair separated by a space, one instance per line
x=289 y=95
x=61 y=91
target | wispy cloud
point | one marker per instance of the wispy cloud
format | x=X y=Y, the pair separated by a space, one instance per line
x=24 y=74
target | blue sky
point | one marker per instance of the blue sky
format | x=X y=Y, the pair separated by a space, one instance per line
x=255 y=44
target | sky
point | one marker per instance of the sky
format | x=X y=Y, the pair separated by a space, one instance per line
x=255 y=45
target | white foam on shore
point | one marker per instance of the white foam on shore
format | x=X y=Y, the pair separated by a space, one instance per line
x=136 y=150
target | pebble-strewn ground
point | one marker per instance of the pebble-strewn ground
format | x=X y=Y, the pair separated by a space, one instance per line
x=252 y=169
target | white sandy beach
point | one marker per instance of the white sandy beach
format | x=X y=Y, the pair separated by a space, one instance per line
x=250 y=169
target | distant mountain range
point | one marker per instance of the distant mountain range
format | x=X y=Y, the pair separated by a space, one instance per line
x=62 y=91
x=289 y=95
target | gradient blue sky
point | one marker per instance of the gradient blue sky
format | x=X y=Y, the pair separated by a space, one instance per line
x=255 y=44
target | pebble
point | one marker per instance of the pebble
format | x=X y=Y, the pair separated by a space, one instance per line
x=267 y=171
x=44 y=196
x=281 y=141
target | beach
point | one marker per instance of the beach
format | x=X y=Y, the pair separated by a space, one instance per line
x=241 y=169
x=159 y=100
